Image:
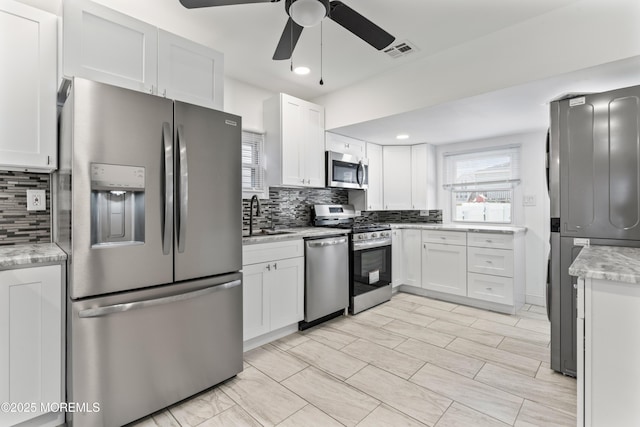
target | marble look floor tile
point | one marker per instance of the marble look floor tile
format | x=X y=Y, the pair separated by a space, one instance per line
x=538 y=309
x=385 y=416
x=343 y=403
x=202 y=407
x=417 y=299
x=464 y=365
x=263 y=398
x=369 y=317
x=274 y=362
x=235 y=416
x=543 y=392
x=290 y=341
x=371 y=333
x=408 y=398
x=385 y=358
x=545 y=373
x=423 y=334
x=405 y=316
x=472 y=334
x=160 y=419
x=481 y=397
x=535 y=415
x=461 y=416
x=310 y=416
x=509 y=360
x=331 y=337
x=339 y=364
x=541 y=326
x=402 y=304
x=511 y=331
x=487 y=315
x=449 y=316
x=532 y=351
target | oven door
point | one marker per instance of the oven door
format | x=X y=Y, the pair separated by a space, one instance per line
x=371 y=268
x=347 y=171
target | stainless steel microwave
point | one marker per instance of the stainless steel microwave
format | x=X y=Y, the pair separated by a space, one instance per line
x=347 y=171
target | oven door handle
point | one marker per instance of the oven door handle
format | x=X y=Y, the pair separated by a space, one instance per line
x=359 y=246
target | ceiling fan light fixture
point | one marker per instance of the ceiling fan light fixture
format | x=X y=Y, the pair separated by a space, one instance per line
x=302 y=70
x=308 y=13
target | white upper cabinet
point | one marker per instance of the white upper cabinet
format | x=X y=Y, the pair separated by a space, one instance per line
x=294 y=142
x=345 y=145
x=107 y=46
x=423 y=177
x=397 y=177
x=28 y=101
x=374 y=192
x=190 y=72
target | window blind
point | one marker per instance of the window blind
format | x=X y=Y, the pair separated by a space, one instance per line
x=483 y=169
x=252 y=162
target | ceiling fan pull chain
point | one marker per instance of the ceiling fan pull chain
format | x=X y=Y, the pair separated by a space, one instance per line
x=321 y=37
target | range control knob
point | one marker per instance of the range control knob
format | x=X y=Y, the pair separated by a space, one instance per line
x=374 y=235
x=360 y=236
x=384 y=234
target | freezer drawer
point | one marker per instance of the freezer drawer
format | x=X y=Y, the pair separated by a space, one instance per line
x=138 y=352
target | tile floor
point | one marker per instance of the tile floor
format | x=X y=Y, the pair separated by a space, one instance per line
x=410 y=362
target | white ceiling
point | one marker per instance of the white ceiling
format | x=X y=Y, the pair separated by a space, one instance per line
x=248 y=34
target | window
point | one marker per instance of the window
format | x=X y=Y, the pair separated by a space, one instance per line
x=252 y=163
x=482 y=184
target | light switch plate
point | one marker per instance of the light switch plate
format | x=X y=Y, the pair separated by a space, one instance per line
x=36 y=200
x=529 y=200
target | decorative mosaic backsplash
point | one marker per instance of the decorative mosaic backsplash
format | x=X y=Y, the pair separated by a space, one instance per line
x=16 y=224
x=291 y=207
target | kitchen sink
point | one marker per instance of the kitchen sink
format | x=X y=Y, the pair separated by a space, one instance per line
x=266 y=232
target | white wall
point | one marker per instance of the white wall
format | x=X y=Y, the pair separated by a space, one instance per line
x=584 y=34
x=535 y=218
x=245 y=100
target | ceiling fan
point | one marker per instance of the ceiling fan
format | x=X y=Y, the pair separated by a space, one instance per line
x=308 y=13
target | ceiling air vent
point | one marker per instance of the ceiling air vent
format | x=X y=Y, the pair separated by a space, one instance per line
x=400 y=49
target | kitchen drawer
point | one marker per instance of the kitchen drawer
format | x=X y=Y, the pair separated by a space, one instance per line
x=498 y=262
x=265 y=252
x=490 y=240
x=490 y=288
x=445 y=237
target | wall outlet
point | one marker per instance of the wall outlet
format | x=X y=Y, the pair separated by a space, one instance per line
x=36 y=200
x=529 y=200
x=424 y=213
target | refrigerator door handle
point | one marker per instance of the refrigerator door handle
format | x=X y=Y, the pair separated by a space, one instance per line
x=548 y=290
x=119 y=308
x=183 y=190
x=167 y=240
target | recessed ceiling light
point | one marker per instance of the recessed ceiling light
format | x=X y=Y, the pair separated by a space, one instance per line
x=302 y=71
x=402 y=136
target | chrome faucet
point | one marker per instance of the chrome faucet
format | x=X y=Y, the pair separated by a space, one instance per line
x=258 y=212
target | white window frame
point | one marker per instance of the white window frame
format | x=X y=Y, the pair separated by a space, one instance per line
x=259 y=167
x=507 y=184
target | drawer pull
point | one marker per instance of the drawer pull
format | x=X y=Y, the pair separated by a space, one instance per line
x=443 y=238
x=490 y=289
x=489 y=261
x=489 y=241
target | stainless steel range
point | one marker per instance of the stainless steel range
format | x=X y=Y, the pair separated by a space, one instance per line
x=369 y=255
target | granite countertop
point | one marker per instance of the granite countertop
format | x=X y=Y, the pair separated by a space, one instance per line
x=18 y=255
x=293 y=234
x=508 y=229
x=614 y=263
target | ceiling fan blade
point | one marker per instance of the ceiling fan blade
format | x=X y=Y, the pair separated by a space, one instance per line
x=288 y=40
x=359 y=25
x=192 y=4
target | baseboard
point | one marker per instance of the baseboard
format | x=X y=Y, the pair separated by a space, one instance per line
x=535 y=300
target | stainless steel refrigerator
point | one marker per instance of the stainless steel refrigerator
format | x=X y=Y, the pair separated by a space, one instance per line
x=148 y=209
x=594 y=187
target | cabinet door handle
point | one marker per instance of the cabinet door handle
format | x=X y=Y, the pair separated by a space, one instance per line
x=268 y=267
x=151 y=90
x=275 y=265
x=303 y=180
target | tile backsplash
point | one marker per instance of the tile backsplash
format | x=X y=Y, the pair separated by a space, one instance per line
x=16 y=224
x=291 y=207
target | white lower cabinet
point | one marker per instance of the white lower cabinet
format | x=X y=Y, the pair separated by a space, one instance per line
x=444 y=268
x=31 y=344
x=411 y=259
x=273 y=293
x=397 y=273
